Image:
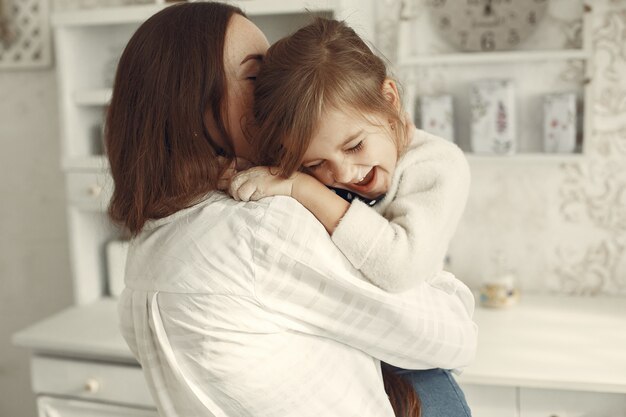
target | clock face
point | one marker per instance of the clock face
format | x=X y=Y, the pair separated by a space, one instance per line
x=486 y=25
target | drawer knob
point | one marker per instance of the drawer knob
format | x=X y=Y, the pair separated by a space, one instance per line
x=94 y=190
x=92 y=386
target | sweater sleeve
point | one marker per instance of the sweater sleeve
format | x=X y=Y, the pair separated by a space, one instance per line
x=407 y=243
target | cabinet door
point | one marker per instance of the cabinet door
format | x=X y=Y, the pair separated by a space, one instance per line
x=556 y=403
x=58 y=407
x=491 y=401
x=91 y=381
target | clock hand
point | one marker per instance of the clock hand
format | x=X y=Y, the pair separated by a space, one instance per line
x=488 y=10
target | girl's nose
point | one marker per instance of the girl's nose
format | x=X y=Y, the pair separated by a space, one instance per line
x=342 y=173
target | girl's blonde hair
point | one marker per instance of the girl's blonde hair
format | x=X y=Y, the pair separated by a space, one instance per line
x=323 y=65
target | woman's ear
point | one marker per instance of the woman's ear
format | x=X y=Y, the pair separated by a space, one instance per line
x=390 y=92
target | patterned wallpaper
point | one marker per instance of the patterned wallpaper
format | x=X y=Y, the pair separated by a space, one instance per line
x=593 y=192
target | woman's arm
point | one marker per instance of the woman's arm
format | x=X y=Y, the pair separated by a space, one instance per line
x=303 y=277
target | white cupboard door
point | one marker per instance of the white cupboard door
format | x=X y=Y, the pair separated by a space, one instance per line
x=556 y=403
x=491 y=401
x=91 y=381
x=58 y=407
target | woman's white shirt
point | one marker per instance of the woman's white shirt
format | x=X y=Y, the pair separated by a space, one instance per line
x=249 y=309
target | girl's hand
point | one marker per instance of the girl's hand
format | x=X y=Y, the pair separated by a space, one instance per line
x=258 y=182
x=230 y=168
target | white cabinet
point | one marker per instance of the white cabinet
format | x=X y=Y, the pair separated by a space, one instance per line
x=491 y=401
x=498 y=401
x=93 y=381
x=81 y=365
x=63 y=407
x=550 y=356
x=558 y=403
x=556 y=58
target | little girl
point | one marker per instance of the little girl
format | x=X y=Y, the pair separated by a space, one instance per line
x=331 y=133
x=328 y=115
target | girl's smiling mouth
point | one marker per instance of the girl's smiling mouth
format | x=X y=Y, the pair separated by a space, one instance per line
x=366 y=183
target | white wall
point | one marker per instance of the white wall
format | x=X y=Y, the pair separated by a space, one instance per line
x=34 y=267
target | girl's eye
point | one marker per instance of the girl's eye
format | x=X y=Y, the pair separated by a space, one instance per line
x=355 y=148
x=252 y=78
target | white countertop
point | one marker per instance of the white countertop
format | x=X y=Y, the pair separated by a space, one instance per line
x=569 y=343
x=85 y=331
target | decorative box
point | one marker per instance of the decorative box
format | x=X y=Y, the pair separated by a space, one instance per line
x=499 y=292
x=436 y=116
x=492 y=104
x=559 y=125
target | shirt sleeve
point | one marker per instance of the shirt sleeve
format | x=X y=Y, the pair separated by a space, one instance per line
x=309 y=285
x=407 y=243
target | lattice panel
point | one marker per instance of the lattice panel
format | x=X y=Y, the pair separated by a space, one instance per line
x=24 y=34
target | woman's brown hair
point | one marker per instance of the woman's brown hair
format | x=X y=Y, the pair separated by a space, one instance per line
x=321 y=66
x=170 y=74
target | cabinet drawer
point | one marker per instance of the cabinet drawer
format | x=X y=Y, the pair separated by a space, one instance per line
x=491 y=401
x=58 y=407
x=557 y=403
x=89 y=190
x=123 y=384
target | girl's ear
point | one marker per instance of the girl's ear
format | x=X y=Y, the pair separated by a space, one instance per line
x=390 y=92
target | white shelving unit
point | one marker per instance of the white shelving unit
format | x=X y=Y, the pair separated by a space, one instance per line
x=429 y=66
x=88 y=44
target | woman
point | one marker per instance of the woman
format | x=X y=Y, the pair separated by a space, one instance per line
x=238 y=309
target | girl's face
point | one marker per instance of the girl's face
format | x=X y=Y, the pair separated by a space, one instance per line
x=353 y=152
x=244 y=48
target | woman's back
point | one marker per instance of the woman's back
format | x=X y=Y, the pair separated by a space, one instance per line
x=250 y=310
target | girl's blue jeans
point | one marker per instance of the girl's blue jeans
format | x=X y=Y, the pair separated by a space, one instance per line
x=438 y=391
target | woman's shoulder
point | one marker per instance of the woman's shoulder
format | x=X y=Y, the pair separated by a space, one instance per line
x=206 y=248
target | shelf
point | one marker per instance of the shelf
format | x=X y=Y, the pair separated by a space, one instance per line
x=100 y=97
x=526 y=157
x=494 y=57
x=138 y=14
x=86 y=163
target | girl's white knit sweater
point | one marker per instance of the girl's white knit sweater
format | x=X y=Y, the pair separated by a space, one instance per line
x=404 y=238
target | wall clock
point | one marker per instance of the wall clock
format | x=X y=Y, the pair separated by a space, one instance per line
x=486 y=25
